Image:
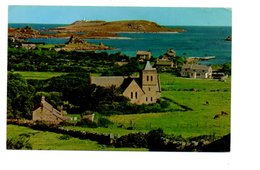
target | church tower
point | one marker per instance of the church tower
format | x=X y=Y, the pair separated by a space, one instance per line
x=150 y=84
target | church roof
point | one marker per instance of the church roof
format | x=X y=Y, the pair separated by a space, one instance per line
x=128 y=81
x=107 y=81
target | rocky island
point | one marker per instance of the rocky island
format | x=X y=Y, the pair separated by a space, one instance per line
x=115 y=27
x=78 y=44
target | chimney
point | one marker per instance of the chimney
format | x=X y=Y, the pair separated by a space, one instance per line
x=43 y=99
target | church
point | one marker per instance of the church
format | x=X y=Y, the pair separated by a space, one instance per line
x=143 y=89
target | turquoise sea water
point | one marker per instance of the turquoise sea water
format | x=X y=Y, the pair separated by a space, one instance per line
x=197 y=41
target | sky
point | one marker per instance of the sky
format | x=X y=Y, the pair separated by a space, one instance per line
x=160 y=15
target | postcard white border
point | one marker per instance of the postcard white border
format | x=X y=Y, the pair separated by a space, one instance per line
x=245 y=102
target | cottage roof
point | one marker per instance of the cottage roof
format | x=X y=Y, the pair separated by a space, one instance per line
x=148 y=66
x=51 y=109
x=143 y=53
x=195 y=67
x=107 y=81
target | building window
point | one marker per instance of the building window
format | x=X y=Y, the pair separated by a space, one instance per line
x=198 y=74
x=132 y=95
x=149 y=89
x=151 y=99
x=146 y=98
x=136 y=95
x=151 y=78
x=147 y=78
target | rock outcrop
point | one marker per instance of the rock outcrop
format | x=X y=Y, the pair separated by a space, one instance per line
x=78 y=44
x=229 y=38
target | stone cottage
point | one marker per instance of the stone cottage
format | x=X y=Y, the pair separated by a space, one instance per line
x=143 y=89
x=47 y=113
x=196 y=71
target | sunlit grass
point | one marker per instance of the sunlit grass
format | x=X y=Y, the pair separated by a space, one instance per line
x=38 y=75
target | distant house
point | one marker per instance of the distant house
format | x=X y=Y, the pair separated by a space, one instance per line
x=143 y=89
x=169 y=54
x=47 y=113
x=196 y=71
x=28 y=46
x=167 y=60
x=143 y=55
x=163 y=65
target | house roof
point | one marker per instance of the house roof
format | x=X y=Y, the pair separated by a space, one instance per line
x=148 y=66
x=143 y=53
x=107 y=81
x=195 y=67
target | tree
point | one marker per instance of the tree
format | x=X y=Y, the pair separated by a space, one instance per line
x=226 y=68
x=19 y=97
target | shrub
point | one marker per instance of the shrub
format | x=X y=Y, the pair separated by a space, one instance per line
x=134 y=140
x=104 y=122
x=65 y=137
x=18 y=143
x=155 y=139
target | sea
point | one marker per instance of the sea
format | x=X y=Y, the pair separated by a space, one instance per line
x=196 y=41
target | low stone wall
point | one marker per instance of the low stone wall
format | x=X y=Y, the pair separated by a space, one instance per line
x=154 y=140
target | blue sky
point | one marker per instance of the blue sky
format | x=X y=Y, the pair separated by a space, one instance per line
x=160 y=15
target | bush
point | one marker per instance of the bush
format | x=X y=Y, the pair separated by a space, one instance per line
x=87 y=123
x=136 y=140
x=18 y=143
x=104 y=122
x=155 y=139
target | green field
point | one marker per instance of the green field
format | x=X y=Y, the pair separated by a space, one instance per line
x=192 y=93
x=38 y=75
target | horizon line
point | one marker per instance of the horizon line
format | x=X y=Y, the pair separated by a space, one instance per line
x=121 y=20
